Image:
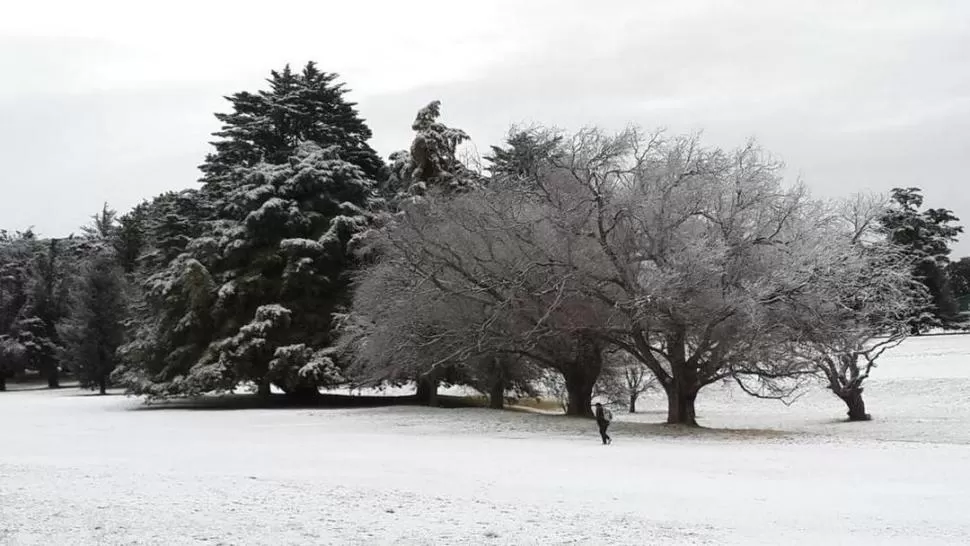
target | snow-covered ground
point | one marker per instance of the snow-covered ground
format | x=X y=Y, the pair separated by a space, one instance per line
x=79 y=469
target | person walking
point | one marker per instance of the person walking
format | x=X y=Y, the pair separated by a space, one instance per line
x=603 y=418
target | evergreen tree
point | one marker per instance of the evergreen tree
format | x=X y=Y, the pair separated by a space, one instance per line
x=169 y=223
x=926 y=235
x=525 y=153
x=434 y=152
x=431 y=163
x=94 y=329
x=241 y=278
x=103 y=224
x=958 y=275
x=129 y=241
x=283 y=246
x=16 y=258
x=268 y=126
x=12 y=360
x=46 y=304
x=171 y=329
x=169 y=324
x=253 y=301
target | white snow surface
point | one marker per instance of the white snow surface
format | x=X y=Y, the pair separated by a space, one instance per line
x=83 y=469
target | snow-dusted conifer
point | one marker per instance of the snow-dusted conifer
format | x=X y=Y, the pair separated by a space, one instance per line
x=284 y=245
x=16 y=252
x=432 y=162
x=926 y=236
x=172 y=330
x=47 y=298
x=268 y=126
x=94 y=328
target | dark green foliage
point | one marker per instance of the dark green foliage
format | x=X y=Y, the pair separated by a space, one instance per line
x=926 y=235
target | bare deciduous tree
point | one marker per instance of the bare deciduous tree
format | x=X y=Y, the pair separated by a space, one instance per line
x=472 y=276
x=698 y=251
x=859 y=308
x=687 y=258
x=624 y=380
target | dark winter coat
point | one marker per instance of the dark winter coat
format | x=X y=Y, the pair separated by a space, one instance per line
x=603 y=416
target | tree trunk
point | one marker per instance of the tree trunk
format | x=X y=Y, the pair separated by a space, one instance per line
x=53 y=377
x=581 y=375
x=303 y=394
x=579 y=389
x=264 y=389
x=857 y=406
x=3 y=381
x=496 y=397
x=680 y=406
x=633 y=403
x=103 y=384
x=580 y=398
x=684 y=385
x=427 y=394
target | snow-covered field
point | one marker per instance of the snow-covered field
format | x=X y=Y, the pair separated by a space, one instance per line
x=79 y=469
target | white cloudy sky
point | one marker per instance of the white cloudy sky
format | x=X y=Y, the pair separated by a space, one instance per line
x=113 y=99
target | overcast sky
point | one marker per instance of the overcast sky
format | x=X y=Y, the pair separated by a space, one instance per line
x=106 y=100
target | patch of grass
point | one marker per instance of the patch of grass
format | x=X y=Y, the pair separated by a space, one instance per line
x=323 y=401
x=640 y=429
x=544 y=404
x=481 y=401
x=254 y=401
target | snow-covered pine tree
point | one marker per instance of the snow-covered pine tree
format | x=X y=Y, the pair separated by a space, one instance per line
x=93 y=326
x=289 y=186
x=16 y=256
x=268 y=126
x=926 y=235
x=93 y=329
x=171 y=221
x=525 y=154
x=171 y=292
x=279 y=243
x=283 y=251
x=171 y=331
x=102 y=226
x=129 y=240
x=958 y=273
x=35 y=327
x=432 y=162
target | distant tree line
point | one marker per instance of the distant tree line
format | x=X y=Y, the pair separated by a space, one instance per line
x=575 y=265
